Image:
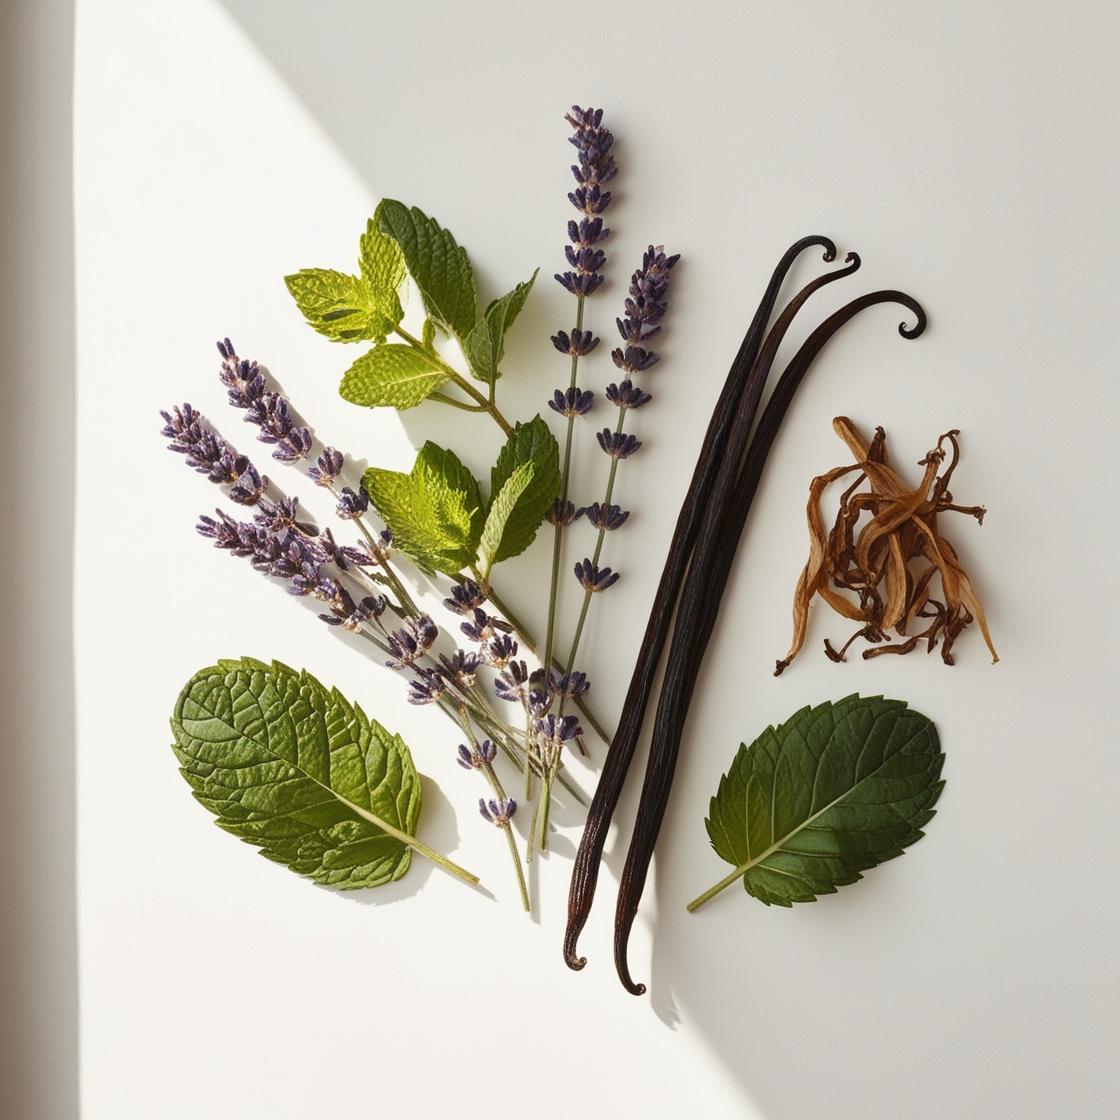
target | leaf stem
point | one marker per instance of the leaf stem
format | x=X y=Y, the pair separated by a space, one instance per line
x=711 y=892
x=558 y=534
x=453 y=375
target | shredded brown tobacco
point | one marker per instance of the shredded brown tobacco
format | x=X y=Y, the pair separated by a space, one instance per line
x=889 y=563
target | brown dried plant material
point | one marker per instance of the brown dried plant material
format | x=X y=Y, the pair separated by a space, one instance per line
x=889 y=563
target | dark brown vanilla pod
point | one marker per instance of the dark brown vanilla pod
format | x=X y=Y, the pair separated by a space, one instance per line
x=724 y=521
x=585 y=871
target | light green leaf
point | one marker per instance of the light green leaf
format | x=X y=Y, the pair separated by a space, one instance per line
x=436 y=262
x=382 y=265
x=833 y=791
x=391 y=375
x=485 y=345
x=532 y=443
x=339 y=306
x=503 y=506
x=294 y=769
x=435 y=512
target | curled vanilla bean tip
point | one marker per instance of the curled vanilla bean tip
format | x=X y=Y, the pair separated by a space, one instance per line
x=576 y=964
x=919 y=326
x=829 y=254
x=853 y=258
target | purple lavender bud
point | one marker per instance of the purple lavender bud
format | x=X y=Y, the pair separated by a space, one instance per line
x=460 y=667
x=499 y=651
x=243 y=380
x=193 y=437
x=563 y=513
x=466 y=597
x=511 y=684
x=484 y=627
x=327 y=467
x=411 y=641
x=606 y=518
x=540 y=695
x=634 y=359
x=369 y=555
x=577 y=344
x=587 y=232
x=627 y=395
x=618 y=445
x=351 y=505
x=557 y=730
x=475 y=758
x=497 y=812
x=426 y=687
x=585 y=260
x=570 y=685
x=572 y=401
x=281 y=515
x=594 y=578
x=648 y=298
x=344 y=611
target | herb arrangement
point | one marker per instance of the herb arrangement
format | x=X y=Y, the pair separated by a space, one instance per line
x=295 y=769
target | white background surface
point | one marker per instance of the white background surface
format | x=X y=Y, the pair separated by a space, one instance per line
x=969 y=157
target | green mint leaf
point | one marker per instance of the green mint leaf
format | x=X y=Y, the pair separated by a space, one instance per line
x=382 y=265
x=428 y=336
x=391 y=375
x=435 y=512
x=833 y=791
x=485 y=345
x=534 y=444
x=503 y=506
x=339 y=306
x=437 y=263
x=294 y=769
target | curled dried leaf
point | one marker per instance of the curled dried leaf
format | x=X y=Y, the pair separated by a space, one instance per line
x=890 y=563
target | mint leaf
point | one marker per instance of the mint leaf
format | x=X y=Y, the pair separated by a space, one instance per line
x=294 y=769
x=503 y=506
x=382 y=265
x=833 y=791
x=534 y=444
x=391 y=375
x=485 y=345
x=339 y=306
x=435 y=512
x=437 y=263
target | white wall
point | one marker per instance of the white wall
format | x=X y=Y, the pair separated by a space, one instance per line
x=38 y=943
x=968 y=153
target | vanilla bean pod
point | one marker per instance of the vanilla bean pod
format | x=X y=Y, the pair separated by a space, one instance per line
x=585 y=871
x=724 y=521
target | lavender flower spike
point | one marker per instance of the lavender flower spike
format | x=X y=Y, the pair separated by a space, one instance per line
x=594 y=578
x=497 y=812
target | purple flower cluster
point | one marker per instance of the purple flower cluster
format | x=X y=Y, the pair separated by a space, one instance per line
x=193 y=437
x=596 y=167
x=497 y=812
x=644 y=309
x=248 y=390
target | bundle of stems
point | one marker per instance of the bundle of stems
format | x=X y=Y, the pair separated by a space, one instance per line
x=709 y=526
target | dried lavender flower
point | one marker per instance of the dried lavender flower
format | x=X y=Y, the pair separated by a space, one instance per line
x=627 y=395
x=466 y=597
x=618 y=445
x=596 y=167
x=570 y=685
x=328 y=466
x=511 y=683
x=460 y=668
x=579 y=343
x=647 y=302
x=426 y=687
x=475 y=758
x=351 y=505
x=594 y=578
x=563 y=512
x=499 y=651
x=555 y=730
x=606 y=518
x=572 y=402
x=497 y=812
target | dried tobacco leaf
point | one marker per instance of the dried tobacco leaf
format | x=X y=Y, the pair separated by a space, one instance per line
x=889 y=563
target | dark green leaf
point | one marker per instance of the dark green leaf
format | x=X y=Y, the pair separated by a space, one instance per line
x=339 y=306
x=531 y=443
x=437 y=263
x=833 y=791
x=391 y=374
x=485 y=345
x=292 y=768
x=503 y=507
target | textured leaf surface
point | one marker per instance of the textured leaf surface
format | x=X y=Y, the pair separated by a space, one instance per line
x=532 y=443
x=435 y=512
x=382 y=265
x=294 y=769
x=503 y=507
x=833 y=791
x=485 y=346
x=339 y=306
x=393 y=375
x=436 y=262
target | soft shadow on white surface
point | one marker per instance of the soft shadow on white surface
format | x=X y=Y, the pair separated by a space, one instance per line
x=957 y=981
x=38 y=939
